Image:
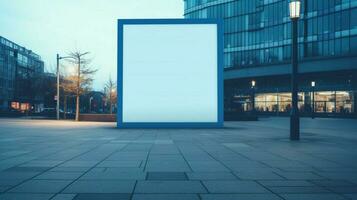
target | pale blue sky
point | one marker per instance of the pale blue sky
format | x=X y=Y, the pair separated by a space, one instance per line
x=59 y=26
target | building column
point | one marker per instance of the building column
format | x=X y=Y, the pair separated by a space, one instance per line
x=354 y=99
x=307 y=102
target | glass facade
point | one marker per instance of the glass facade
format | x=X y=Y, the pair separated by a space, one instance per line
x=257 y=39
x=18 y=67
x=325 y=102
x=258 y=32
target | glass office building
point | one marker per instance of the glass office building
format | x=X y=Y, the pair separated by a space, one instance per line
x=258 y=47
x=19 y=68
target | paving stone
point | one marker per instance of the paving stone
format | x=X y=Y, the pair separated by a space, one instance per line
x=258 y=175
x=343 y=189
x=17 y=196
x=161 y=157
x=312 y=197
x=119 y=169
x=162 y=176
x=64 y=197
x=41 y=186
x=234 y=187
x=128 y=156
x=300 y=175
x=103 y=197
x=100 y=186
x=286 y=183
x=27 y=169
x=351 y=196
x=285 y=164
x=114 y=175
x=78 y=164
x=39 y=163
x=70 y=169
x=164 y=187
x=338 y=175
x=245 y=165
x=17 y=175
x=299 y=190
x=211 y=176
x=111 y=163
x=167 y=166
x=10 y=182
x=240 y=196
x=207 y=166
x=332 y=183
x=59 y=175
x=165 y=197
x=4 y=188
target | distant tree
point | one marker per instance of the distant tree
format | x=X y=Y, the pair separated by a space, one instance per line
x=84 y=75
x=68 y=87
x=111 y=93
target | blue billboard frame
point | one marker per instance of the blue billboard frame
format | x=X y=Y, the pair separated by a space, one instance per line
x=220 y=51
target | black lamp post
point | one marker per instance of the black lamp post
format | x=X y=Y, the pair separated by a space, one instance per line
x=294 y=7
x=313 y=99
x=253 y=96
x=58 y=58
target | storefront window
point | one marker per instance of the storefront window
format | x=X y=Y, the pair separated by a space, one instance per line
x=266 y=102
x=276 y=102
x=284 y=102
x=325 y=102
x=15 y=105
x=343 y=102
x=25 y=106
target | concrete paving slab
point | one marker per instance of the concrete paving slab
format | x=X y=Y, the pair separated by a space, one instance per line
x=41 y=186
x=240 y=196
x=165 y=187
x=234 y=187
x=17 y=196
x=165 y=197
x=247 y=160
x=100 y=186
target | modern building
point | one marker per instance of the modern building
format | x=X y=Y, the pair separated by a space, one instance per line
x=19 y=72
x=258 y=48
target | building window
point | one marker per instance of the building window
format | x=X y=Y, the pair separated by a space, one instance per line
x=15 y=105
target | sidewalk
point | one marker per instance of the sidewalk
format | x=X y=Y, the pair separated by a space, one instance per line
x=42 y=159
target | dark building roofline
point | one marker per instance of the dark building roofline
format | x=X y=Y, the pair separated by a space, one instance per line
x=21 y=49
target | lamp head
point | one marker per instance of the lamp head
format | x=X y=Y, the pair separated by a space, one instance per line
x=313 y=83
x=253 y=83
x=294 y=8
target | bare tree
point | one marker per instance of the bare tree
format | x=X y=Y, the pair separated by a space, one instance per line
x=83 y=78
x=110 y=90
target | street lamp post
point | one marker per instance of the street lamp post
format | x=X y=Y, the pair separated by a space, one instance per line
x=294 y=8
x=313 y=99
x=253 y=96
x=58 y=81
x=58 y=86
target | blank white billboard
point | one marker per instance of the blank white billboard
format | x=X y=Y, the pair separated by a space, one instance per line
x=169 y=73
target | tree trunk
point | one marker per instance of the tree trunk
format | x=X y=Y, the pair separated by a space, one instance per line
x=110 y=102
x=78 y=85
x=64 y=106
x=77 y=108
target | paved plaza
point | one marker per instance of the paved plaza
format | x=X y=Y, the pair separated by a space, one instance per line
x=41 y=160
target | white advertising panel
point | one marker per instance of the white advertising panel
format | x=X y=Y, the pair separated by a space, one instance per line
x=169 y=73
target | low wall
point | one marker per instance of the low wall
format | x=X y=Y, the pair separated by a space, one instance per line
x=98 y=117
